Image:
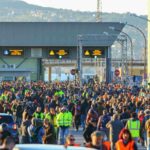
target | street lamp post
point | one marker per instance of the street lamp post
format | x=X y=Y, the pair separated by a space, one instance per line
x=148 y=50
x=130 y=39
x=145 y=46
x=132 y=54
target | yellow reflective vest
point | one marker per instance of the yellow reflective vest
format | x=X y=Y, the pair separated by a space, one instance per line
x=64 y=119
x=51 y=118
x=85 y=94
x=134 y=127
x=48 y=116
x=38 y=115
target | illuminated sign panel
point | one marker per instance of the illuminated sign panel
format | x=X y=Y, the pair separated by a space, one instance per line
x=51 y=53
x=97 y=52
x=61 y=52
x=93 y=52
x=58 y=53
x=87 y=53
x=13 y=52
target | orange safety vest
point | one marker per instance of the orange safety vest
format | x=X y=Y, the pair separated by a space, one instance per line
x=107 y=145
x=121 y=146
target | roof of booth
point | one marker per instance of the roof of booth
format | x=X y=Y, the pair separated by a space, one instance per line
x=43 y=34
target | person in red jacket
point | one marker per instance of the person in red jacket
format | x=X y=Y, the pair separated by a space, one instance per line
x=125 y=141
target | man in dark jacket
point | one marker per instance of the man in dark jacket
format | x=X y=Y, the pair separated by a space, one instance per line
x=24 y=130
x=102 y=121
x=49 y=136
x=115 y=126
x=91 y=123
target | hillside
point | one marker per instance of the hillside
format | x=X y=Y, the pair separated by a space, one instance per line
x=19 y=11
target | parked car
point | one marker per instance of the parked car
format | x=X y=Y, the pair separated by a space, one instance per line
x=12 y=127
x=47 y=147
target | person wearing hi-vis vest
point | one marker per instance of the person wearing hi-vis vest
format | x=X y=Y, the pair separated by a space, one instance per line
x=134 y=127
x=38 y=113
x=64 y=122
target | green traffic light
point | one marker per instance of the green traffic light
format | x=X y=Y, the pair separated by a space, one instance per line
x=60 y=57
x=95 y=57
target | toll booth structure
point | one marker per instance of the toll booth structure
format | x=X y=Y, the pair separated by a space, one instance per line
x=26 y=46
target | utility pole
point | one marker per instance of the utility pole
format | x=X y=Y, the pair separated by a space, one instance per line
x=99 y=11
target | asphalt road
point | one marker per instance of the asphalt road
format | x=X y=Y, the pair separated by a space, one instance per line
x=79 y=138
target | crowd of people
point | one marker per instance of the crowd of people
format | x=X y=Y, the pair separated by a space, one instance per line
x=112 y=116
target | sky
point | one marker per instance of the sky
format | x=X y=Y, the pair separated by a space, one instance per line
x=120 y=6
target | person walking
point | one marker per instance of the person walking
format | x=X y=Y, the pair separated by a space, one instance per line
x=102 y=121
x=91 y=123
x=36 y=131
x=24 y=129
x=84 y=106
x=77 y=115
x=38 y=113
x=64 y=122
x=146 y=117
x=49 y=134
x=147 y=127
x=134 y=127
x=115 y=126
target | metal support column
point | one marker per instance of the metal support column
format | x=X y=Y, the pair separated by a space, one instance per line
x=49 y=73
x=39 y=68
x=124 y=63
x=108 y=66
x=80 y=59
